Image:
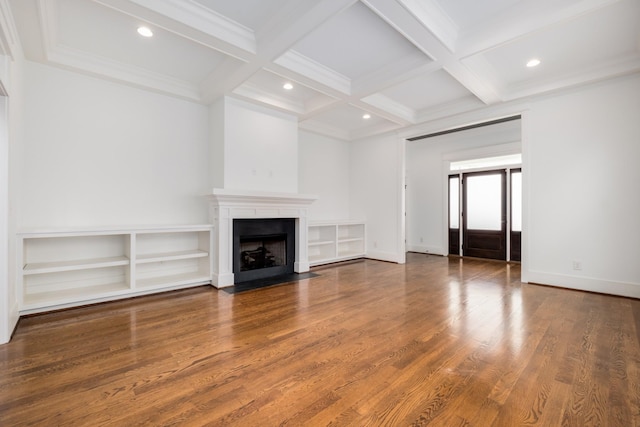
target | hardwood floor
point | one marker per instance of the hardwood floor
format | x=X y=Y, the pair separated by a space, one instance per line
x=438 y=341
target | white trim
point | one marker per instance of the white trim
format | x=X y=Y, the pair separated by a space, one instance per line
x=385 y=103
x=324 y=129
x=225 y=205
x=301 y=64
x=625 y=289
x=386 y=256
x=435 y=19
x=433 y=250
x=9 y=40
x=525 y=132
x=202 y=19
x=401 y=144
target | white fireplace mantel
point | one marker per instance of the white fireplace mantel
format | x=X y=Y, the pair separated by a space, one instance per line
x=225 y=205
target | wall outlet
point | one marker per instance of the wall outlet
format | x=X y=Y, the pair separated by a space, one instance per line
x=375 y=244
x=421 y=240
x=577 y=265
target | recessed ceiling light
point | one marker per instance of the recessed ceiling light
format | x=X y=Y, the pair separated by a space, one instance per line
x=288 y=86
x=534 y=62
x=366 y=116
x=145 y=32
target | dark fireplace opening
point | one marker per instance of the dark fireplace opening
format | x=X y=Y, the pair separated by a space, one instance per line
x=263 y=252
x=263 y=248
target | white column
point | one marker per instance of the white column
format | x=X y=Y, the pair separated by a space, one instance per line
x=301 y=264
x=222 y=247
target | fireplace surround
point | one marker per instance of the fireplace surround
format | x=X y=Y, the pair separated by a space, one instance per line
x=226 y=205
x=263 y=248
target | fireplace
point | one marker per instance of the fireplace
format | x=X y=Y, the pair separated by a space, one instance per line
x=263 y=248
x=227 y=205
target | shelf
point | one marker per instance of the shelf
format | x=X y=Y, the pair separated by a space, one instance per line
x=170 y=256
x=321 y=242
x=66 y=268
x=64 y=296
x=60 y=266
x=336 y=241
x=173 y=280
x=350 y=254
x=354 y=239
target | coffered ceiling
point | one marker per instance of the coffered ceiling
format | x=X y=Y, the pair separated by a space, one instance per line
x=402 y=62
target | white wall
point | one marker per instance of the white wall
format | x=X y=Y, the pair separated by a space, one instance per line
x=583 y=179
x=99 y=153
x=427 y=171
x=323 y=170
x=216 y=143
x=376 y=194
x=260 y=148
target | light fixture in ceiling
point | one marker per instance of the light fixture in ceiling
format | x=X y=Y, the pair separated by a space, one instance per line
x=145 y=31
x=533 y=62
x=366 y=116
x=287 y=86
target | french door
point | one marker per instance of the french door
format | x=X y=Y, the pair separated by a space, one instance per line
x=484 y=214
x=478 y=214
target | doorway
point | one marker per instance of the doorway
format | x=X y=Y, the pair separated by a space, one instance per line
x=485 y=219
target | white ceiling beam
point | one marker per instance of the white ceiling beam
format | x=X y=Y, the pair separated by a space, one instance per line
x=9 y=40
x=194 y=16
x=434 y=18
x=295 y=22
x=422 y=37
x=300 y=64
x=384 y=103
x=276 y=39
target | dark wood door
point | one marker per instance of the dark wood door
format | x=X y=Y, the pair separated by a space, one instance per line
x=484 y=214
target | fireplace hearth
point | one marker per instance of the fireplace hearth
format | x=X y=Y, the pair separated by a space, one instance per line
x=263 y=248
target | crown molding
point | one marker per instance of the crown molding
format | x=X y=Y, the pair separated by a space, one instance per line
x=301 y=64
x=374 y=130
x=397 y=109
x=253 y=92
x=111 y=70
x=323 y=129
x=521 y=19
x=9 y=40
x=96 y=65
x=203 y=19
x=619 y=67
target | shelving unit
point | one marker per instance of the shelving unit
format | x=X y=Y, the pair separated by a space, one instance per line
x=335 y=241
x=64 y=268
x=172 y=258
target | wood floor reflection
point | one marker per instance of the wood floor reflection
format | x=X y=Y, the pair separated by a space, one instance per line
x=438 y=341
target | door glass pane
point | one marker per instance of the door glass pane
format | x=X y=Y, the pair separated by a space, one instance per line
x=484 y=202
x=516 y=201
x=454 y=202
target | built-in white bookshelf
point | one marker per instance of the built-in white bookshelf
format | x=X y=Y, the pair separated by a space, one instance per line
x=65 y=268
x=335 y=241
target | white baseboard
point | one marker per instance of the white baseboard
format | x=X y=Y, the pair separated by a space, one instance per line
x=624 y=289
x=386 y=256
x=301 y=267
x=222 y=280
x=426 y=250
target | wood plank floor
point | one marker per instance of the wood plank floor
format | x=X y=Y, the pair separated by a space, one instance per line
x=438 y=341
